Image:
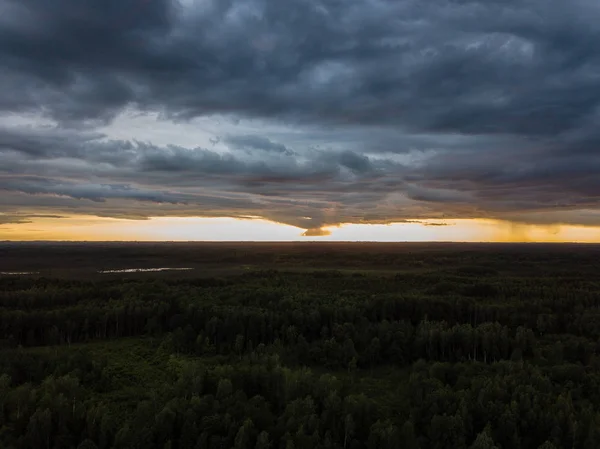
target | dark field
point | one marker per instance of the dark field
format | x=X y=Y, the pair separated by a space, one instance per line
x=300 y=345
x=77 y=259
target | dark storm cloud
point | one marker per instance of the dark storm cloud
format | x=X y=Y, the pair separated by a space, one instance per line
x=355 y=162
x=471 y=67
x=387 y=110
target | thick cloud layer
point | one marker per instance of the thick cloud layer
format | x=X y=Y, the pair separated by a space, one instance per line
x=346 y=111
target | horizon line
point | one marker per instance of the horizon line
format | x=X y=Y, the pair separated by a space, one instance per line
x=573 y=242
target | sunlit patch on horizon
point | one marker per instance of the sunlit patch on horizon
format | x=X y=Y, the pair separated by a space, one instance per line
x=316 y=232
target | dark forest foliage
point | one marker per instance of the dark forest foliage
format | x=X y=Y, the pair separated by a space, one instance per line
x=489 y=348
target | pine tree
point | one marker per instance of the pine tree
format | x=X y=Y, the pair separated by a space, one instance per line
x=484 y=440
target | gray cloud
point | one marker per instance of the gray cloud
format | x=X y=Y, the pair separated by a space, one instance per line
x=195 y=181
x=254 y=142
x=24 y=218
x=380 y=111
x=82 y=191
x=310 y=190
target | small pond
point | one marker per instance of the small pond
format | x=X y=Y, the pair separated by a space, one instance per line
x=143 y=270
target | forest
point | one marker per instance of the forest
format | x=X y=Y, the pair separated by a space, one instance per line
x=300 y=346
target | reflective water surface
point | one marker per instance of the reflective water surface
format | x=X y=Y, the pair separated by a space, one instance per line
x=143 y=270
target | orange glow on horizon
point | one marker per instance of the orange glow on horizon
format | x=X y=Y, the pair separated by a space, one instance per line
x=90 y=228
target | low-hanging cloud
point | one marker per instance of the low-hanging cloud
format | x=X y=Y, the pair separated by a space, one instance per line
x=316 y=232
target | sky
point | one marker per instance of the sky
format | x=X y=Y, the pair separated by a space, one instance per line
x=464 y=120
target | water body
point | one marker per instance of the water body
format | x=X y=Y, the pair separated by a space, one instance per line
x=143 y=270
